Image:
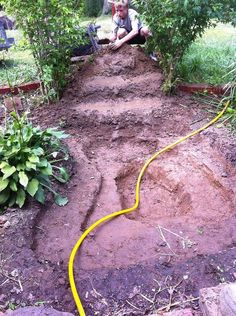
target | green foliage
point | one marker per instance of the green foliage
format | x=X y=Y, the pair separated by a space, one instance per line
x=50 y=27
x=28 y=156
x=93 y=8
x=176 y=24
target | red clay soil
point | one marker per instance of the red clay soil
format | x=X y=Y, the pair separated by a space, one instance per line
x=184 y=231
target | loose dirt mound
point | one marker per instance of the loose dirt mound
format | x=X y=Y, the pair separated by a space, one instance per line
x=110 y=76
x=185 y=226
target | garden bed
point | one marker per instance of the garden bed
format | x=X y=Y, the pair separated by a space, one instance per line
x=183 y=234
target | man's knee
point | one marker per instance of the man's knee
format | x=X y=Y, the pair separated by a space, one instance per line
x=121 y=33
x=145 y=32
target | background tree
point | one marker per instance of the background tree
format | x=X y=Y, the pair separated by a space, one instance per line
x=93 y=8
x=106 y=7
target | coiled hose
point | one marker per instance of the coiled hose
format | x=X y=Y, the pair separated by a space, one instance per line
x=128 y=210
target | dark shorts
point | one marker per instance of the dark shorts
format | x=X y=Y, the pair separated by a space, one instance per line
x=138 y=39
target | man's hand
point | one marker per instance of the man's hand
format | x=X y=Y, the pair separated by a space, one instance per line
x=113 y=38
x=118 y=43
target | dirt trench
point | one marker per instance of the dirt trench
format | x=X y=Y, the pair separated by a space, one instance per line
x=184 y=230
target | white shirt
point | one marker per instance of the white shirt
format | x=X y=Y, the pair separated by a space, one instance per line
x=131 y=22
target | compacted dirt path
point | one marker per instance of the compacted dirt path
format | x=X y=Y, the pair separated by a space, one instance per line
x=183 y=234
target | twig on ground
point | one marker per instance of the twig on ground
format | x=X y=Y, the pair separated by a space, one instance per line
x=164 y=239
x=186 y=241
x=135 y=307
x=146 y=298
x=177 y=304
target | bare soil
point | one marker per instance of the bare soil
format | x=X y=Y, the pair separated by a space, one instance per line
x=183 y=235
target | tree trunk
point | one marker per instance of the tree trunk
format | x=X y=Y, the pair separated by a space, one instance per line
x=106 y=7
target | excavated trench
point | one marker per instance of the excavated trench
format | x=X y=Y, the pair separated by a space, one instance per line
x=185 y=226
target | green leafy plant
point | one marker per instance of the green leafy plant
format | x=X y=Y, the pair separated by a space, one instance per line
x=50 y=28
x=28 y=158
x=176 y=24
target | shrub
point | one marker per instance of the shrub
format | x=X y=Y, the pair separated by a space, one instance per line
x=50 y=27
x=28 y=155
x=176 y=24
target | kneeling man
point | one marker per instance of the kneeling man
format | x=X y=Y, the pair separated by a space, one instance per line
x=128 y=28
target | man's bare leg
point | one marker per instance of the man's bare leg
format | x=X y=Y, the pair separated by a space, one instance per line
x=145 y=32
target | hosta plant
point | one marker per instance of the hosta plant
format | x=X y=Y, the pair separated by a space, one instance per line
x=28 y=157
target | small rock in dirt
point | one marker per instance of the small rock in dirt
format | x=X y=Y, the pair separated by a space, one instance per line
x=224 y=175
x=3 y=220
x=162 y=244
x=7 y=224
x=15 y=273
x=36 y=311
x=115 y=135
x=12 y=103
x=2 y=297
x=209 y=301
x=165 y=261
x=228 y=300
x=61 y=281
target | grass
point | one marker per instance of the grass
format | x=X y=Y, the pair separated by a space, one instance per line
x=209 y=58
x=17 y=65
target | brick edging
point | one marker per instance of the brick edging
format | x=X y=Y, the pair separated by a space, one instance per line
x=202 y=87
x=184 y=87
x=26 y=87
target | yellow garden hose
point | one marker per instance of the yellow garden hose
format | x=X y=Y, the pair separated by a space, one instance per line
x=133 y=208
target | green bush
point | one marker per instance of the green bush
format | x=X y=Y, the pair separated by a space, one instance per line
x=176 y=24
x=50 y=27
x=28 y=155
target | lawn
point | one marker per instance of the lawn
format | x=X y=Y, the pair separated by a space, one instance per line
x=17 y=65
x=207 y=60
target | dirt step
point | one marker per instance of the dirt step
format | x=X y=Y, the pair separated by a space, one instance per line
x=116 y=107
x=111 y=88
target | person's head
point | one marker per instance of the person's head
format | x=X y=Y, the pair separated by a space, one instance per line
x=122 y=7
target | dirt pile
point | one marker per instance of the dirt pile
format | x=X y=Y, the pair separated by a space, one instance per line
x=127 y=73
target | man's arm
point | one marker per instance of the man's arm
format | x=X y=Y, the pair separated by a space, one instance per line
x=113 y=36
